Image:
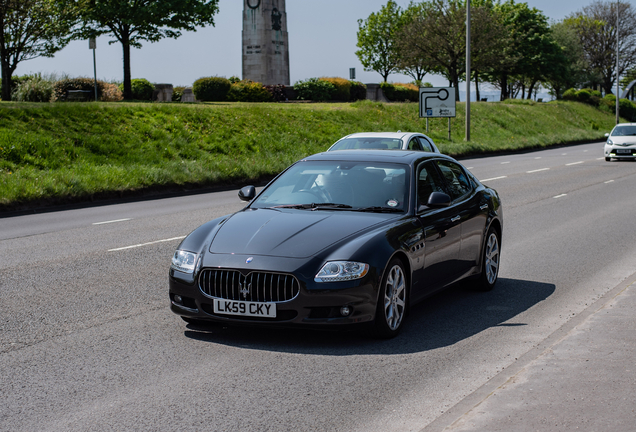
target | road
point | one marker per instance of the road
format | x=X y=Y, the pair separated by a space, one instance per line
x=87 y=341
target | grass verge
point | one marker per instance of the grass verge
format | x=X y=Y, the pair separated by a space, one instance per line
x=57 y=153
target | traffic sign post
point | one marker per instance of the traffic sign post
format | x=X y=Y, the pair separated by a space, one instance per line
x=92 y=45
x=437 y=102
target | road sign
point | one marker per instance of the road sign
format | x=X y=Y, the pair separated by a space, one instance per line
x=437 y=102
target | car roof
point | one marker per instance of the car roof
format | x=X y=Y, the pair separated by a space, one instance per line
x=397 y=135
x=396 y=156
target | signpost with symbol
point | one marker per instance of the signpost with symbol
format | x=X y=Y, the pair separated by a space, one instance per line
x=436 y=102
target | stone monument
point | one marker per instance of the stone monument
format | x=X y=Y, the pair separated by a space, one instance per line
x=265 y=42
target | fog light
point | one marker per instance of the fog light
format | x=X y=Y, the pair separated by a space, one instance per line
x=178 y=299
x=345 y=311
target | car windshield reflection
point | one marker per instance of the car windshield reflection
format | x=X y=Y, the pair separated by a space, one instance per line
x=624 y=131
x=332 y=185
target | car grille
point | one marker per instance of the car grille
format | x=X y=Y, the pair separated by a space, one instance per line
x=255 y=286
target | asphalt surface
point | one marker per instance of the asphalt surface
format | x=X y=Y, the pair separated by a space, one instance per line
x=87 y=341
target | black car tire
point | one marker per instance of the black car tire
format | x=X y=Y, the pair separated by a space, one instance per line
x=607 y=159
x=490 y=261
x=392 y=301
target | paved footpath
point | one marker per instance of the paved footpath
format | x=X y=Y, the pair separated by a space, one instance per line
x=582 y=378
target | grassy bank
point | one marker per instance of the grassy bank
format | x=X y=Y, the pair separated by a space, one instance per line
x=52 y=153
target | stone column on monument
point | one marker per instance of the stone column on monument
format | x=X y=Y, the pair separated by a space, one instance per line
x=265 y=42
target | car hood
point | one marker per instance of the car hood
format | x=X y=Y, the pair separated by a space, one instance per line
x=623 y=140
x=289 y=233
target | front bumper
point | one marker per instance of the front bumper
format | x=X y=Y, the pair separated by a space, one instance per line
x=620 y=152
x=317 y=304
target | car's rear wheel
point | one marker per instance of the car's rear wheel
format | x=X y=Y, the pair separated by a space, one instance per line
x=392 y=302
x=490 y=261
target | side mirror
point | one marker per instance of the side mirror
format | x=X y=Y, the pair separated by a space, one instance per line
x=606 y=135
x=438 y=200
x=247 y=193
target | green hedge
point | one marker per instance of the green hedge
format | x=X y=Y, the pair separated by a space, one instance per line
x=211 y=89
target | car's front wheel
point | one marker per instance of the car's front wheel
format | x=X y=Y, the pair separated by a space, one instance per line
x=607 y=159
x=392 y=301
x=490 y=261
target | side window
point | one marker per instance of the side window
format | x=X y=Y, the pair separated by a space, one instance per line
x=426 y=145
x=428 y=181
x=414 y=144
x=456 y=180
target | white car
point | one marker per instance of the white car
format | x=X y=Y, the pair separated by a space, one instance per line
x=621 y=142
x=386 y=140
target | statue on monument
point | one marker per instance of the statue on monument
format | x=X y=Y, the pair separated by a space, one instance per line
x=265 y=42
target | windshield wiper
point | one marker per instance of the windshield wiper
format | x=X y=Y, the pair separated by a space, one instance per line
x=380 y=209
x=314 y=206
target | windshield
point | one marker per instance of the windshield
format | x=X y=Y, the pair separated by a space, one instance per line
x=338 y=185
x=368 y=143
x=624 y=131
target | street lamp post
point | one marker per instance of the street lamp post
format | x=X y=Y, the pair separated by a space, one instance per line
x=467 y=70
x=617 y=69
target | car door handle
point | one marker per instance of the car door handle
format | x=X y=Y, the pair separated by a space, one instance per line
x=456 y=218
x=483 y=206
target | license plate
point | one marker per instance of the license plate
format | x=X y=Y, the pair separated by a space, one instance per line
x=623 y=151
x=245 y=308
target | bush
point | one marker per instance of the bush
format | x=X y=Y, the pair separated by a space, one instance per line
x=342 y=88
x=569 y=95
x=177 y=92
x=248 y=91
x=211 y=89
x=583 y=96
x=277 y=91
x=400 y=92
x=33 y=89
x=88 y=84
x=111 y=93
x=314 y=89
x=358 y=91
x=142 y=89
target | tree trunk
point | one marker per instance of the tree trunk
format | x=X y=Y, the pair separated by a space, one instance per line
x=478 y=96
x=127 y=76
x=504 y=87
x=7 y=73
x=531 y=89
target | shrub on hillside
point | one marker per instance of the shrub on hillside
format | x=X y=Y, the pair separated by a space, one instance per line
x=142 y=89
x=569 y=94
x=627 y=109
x=342 y=88
x=177 y=92
x=33 y=88
x=249 y=91
x=111 y=93
x=277 y=91
x=314 y=89
x=211 y=89
x=399 y=92
x=87 y=84
x=358 y=91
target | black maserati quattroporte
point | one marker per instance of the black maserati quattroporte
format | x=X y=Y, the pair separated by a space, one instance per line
x=340 y=238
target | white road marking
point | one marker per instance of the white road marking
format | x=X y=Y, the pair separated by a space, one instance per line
x=609 y=181
x=539 y=170
x=494 y=178
x=574 y=163
x=560 y=196
x=503 y=163
x=146 y=244
x=537 y=158
x=112 y=221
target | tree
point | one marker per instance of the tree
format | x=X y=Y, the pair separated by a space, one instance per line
x=596 y=27
x=410 y=61
x=571 y=71
x=134 y=21
x=30 y=29
x=437 y=36
x=376 y=40
x=529 y=53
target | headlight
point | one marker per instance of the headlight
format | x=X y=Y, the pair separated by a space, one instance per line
x=338 y=271
x=610 y=142
x=184 y=261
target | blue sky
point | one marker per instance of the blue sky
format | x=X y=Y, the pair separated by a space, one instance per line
x=322 y=42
